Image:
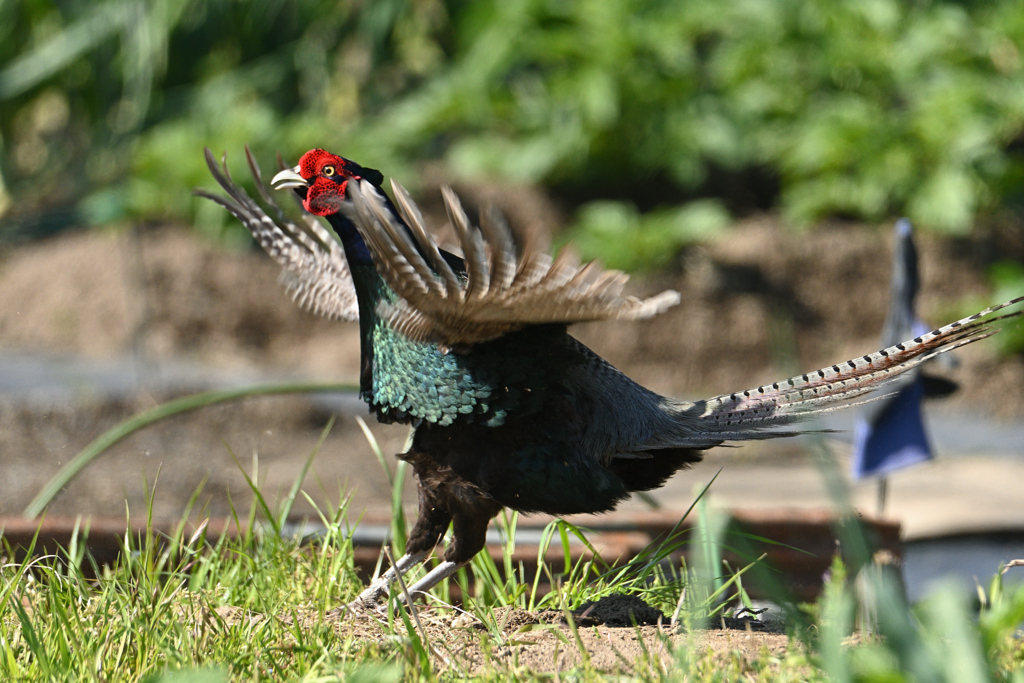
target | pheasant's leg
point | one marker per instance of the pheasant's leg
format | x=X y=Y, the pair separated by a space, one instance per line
x=434 y=577
x=469 y=536
x=431 y=525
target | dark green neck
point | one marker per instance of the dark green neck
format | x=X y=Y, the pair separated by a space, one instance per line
x=370 y=288
x=355 y=249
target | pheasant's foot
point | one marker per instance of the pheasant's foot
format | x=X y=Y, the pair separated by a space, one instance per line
x=357 y=608
x=374 y=592
x=370 y=600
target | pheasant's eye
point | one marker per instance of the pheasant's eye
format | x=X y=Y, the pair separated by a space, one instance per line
x=328 y=171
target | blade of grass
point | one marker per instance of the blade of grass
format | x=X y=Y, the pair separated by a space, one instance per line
x=542 y=568
x=31 y=638
x=733 y=580
x=651 y=556
x=375 y=447
x=162 y=412
x=710 y=528
x=408 y=600
x=289 y=501
x=766 y=541
x=574 y=629
x=261 y=502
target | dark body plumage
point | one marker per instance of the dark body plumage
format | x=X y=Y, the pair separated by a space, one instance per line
x=506 y=419
x=501 y=423
x=508 y=409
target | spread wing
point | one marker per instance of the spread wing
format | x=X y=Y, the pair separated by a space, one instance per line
x=504 y=286
x=315 y=271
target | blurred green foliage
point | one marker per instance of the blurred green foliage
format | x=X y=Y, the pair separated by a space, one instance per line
x=1007 y=278
x=627 y=108
x=940 y=641
x=616 y=233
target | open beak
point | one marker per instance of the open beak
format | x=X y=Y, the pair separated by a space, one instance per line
x=288 y=178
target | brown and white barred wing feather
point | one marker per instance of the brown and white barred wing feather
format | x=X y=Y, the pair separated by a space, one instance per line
x=501 y=290
x=741 y=415
x=314 y=269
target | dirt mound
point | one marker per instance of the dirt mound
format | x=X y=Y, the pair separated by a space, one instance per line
x=163 y=293
x=619 y=610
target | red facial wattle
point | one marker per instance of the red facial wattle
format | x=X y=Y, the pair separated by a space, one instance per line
x=324 y=197
x=328 y=179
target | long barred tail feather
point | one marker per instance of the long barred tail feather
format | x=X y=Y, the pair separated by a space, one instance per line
x=743 y=414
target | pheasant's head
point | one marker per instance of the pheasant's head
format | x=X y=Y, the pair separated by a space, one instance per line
x=321 y=179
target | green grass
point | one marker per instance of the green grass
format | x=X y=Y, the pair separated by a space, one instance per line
x=250 y=607
x=189 y=606
x=253 y=608
x=244 y=609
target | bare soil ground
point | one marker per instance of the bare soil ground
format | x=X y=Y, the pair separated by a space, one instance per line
x=618 y=634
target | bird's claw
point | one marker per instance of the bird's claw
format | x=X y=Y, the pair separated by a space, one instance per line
x=369 y=602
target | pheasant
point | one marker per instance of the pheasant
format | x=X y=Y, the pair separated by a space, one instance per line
x=508 y=409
